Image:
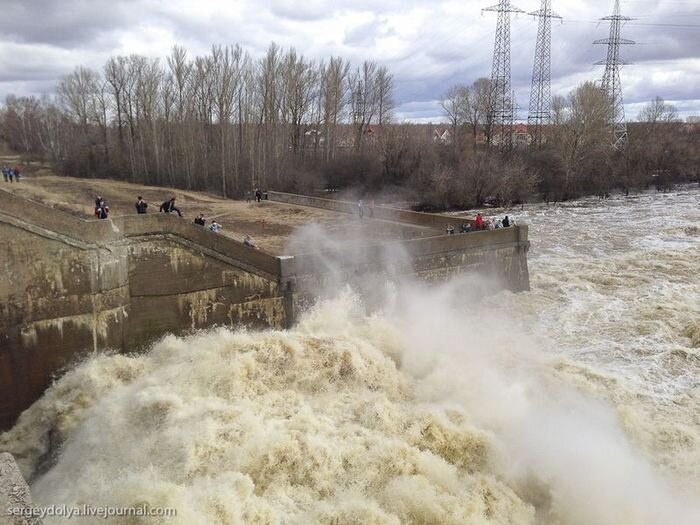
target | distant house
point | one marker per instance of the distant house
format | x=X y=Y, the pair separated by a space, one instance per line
x=442 y=136
x=692 y=125
x=520 y=136
x=313 y=135
x=373 y=130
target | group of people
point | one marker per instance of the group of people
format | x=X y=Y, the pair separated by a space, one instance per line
x=361 y=208
x=11 y=174
x=215 y=227
x=102 y=212
x=481 y=224
x=258 y=194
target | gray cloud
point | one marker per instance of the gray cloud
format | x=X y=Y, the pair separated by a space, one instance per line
x=68 y=23
x=427 y=44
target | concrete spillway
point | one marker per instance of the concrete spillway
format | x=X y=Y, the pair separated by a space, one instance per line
x=70 y=286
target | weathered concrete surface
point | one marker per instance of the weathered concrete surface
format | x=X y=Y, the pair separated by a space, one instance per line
x=14 y=493
x=69 y=286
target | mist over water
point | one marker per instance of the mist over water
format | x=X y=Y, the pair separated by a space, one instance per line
x=575 y=403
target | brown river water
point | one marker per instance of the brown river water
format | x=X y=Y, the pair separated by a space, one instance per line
x=575 y=403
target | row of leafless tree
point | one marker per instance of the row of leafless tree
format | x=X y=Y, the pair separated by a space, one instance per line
x=576 y=157
x=221 y=122
x=227 y=123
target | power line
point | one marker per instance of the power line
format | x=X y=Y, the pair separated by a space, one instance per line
x=642 y=24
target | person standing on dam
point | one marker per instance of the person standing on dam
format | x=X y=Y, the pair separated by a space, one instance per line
x=361 y=208
x=169 y=207
x=99 y=203
x=102 y=212
x=479 y=222
x=141 y=206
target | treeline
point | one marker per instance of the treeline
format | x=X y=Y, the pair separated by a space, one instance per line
x=574 y=156
x=227 y=123
x=220 y=122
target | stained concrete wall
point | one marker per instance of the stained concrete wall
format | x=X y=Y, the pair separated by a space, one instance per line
x=69 y=286
x=499 y=255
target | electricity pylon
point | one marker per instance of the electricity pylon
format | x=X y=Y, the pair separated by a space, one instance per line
x=541 y=90
x=501 y=103
x=611 y=84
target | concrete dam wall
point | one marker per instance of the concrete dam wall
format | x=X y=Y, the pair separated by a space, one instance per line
x=70 y=286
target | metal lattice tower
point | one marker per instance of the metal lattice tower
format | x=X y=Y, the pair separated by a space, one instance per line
x=541 y=90
x=501 y=105
x=611 y=84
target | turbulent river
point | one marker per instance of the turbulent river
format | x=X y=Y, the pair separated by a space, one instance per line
x=575 y=403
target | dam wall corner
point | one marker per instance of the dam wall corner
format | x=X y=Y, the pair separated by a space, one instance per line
x=72 y=287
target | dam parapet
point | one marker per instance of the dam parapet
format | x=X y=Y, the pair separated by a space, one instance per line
x=72 y=286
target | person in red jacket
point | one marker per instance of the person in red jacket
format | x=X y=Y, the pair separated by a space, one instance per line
x=479 y=222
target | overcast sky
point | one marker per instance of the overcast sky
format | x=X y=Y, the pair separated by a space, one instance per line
x=427 y=44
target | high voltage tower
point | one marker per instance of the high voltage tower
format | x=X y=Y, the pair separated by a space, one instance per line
x=611 y=84
x=541 y=91
x=501 y=112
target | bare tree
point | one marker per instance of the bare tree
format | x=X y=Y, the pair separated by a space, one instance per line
x=364 y=100
x=333 y=91
x=385 y=98
x=584 y=142
x=476 y=107
x=453 y=106
x=77 y=92
x=226 y=73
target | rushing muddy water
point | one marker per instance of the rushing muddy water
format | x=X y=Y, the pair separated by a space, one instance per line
x=575 y=403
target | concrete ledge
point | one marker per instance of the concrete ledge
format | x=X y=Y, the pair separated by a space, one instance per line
x=378 y=254
x=428 y=220
x=72 y=230
x=14 y=493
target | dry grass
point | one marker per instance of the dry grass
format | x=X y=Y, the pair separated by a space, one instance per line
x=270 y=224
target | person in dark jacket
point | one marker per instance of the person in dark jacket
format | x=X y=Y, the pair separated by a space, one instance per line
x=141 y=206
x=102 y=212
x=258 y=195
x=99 y=203
x=199 y=220
x=506 y=222
x=169 y=207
